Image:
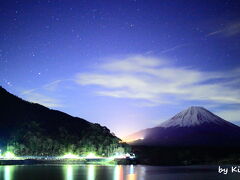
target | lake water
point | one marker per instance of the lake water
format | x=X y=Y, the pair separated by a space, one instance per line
x=118 y=172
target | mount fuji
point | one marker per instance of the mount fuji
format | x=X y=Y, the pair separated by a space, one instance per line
x=195 y=126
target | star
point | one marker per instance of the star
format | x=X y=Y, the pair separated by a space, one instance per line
x=9 y=83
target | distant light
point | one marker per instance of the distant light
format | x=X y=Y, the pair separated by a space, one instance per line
x=119 y=156
x=123 y=156
x=142 y=138
x=9 y=155
x=91 y=155
x=130 y=155
x=70 y=156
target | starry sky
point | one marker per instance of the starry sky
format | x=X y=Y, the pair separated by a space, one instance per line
x=127 y=65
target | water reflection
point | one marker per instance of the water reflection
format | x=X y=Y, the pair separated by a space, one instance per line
x=118 y=172
x=8 y=172
x=132 y=175
x=141 y=173
x=91 y=172
x=68 y=172
x=131 y=169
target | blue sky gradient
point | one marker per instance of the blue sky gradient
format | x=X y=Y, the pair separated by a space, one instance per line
x=127 y=65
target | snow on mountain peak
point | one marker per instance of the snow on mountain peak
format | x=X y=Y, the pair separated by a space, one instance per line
x=193 y=116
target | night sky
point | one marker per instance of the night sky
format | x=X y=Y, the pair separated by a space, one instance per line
x=127 y=65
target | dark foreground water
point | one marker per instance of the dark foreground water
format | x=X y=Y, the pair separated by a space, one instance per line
x=118 y=172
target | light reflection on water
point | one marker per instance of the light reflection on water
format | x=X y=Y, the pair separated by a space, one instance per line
x=132 y=175
x=118 y=172
x=8 y=172
x=141 y=173
x=69 y=172
x=91 y=172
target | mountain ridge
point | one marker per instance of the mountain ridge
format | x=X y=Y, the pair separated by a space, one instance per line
x=194 y=126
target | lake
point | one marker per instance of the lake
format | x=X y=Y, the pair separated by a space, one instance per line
x=118 y=172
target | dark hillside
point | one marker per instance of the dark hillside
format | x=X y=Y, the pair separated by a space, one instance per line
x=32 y=129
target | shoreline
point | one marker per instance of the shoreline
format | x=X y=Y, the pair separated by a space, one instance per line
x=66 y=161
x=96 y=162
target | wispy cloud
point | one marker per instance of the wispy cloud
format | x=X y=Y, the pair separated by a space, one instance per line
x=39 y=95
x=152 y=80
x=36 y=97
x=228 y=31
x=52 y=86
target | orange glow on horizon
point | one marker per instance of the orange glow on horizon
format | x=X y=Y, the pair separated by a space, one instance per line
x=126 y=140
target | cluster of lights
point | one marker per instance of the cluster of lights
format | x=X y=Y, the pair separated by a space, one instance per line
x=90 y=155
x=8 y=155
x=123 y=156
x=119 y=156
x=70 y=156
